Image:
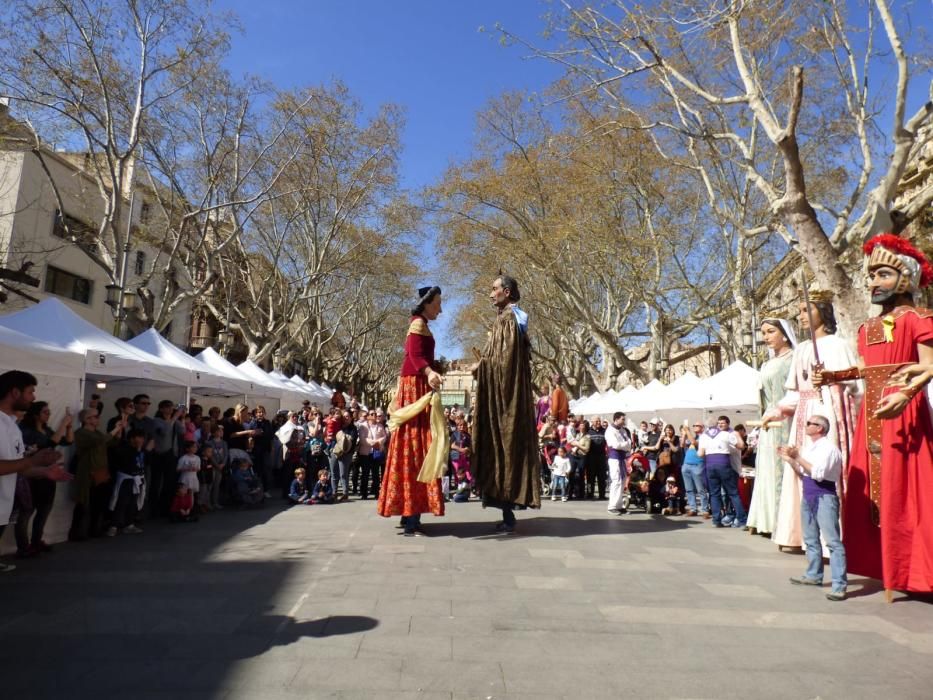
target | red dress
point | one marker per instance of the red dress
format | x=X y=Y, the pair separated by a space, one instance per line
x=900 y=551
x=400 y=492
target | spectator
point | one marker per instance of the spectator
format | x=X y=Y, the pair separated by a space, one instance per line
x=652 y=444
x=323 y=491
x=182 y=508
x=189 y=464
x=820 y=466
x=657 y=493
x=372 y=437
x=693 y=474
x=262 y=447
x=560 y=469
x=248 y=485
x=596 y=461
x=338 y=400
x=579 y=448
x=38 y=435
x=619 y=443
x=672 y=497
x=17 y=393
x=169 y=431
x=642 y=434
x=298 y=492
x=716 y=446
x=139 y=420
x=351 y=438
x=129 y=488
x=235 y=430
x=93 y=484
x=219 y=458
x=205 y=478
x=124 y=406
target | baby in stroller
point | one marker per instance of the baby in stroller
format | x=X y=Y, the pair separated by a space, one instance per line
x=638 y=470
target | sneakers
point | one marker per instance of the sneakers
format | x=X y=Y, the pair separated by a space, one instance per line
x=553 y=498
x=132 y=530
x=614 y=511
x=836 y=595
x=111 y=531
x=504 y=529
x=691 y=512
x=666 y=511
x=804 y=581
x=563 y=499
x=6 y=568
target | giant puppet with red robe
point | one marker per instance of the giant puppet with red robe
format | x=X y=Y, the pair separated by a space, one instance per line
x=888 y=498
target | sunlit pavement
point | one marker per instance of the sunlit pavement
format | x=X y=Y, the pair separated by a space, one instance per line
x=330 y=601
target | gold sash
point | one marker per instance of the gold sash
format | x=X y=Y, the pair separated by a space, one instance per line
x=435 y=461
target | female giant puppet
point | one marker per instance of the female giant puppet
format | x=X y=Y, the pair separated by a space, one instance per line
x=888 y=503
x=401 y=493
x=803 y=399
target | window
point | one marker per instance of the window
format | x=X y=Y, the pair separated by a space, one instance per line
x=140 y=266
x=84 y=235
x=65 y=284
x=144 y=212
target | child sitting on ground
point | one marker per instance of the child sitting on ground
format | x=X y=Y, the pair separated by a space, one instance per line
x=248 y=486
x=323 y=491
x=560 y=468
x=463 y=486
x=182 y=506
x=671 y=497
x=298 y=492
x=189 y=464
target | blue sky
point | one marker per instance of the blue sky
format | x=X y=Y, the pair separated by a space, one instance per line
x=427 y=56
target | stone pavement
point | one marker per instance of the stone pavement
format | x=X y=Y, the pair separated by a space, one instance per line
x=329 y=602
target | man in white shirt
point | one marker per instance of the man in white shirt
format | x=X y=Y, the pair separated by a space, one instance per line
x=820 y=465
x=619 y=442
x=17 y=393
x=717 y=445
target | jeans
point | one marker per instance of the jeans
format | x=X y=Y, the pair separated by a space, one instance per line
x=695 y=484
x=577 y=472
x=618 y=476
x=652 y=466
x=339 y=468
x=558 y=482
x=411 y=522
x=725 y=478
x=596 y=475
x=162 y=485
x=826 y=522
x=369 y=469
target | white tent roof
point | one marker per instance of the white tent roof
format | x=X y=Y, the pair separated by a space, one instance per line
x=647 y=398
x=316 y=391
x=290 y=393
x=202 y=376
x=104 y=355
x=684 y=392
x=737 y=385
x=25 y=353
x=212 y=359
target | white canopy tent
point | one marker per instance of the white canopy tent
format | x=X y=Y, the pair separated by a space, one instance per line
x=317 y=393
x=734 y=391
x=292 y=395
x=105 y=356
x=257 y=389
x=203 y=379
x=28 y=354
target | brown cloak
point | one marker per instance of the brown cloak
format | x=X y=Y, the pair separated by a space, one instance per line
x=505 y=443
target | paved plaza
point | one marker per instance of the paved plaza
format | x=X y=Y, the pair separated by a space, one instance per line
x=330 y=602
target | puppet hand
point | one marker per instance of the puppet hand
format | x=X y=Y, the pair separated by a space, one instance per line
x=892 y=405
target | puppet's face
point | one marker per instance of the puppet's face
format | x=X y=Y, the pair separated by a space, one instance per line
x=499 y=295
x=773 y=337
x=882 y=283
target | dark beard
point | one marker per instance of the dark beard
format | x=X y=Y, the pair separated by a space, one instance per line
x=881 y=296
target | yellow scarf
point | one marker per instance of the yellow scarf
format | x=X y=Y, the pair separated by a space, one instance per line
x=435 y=461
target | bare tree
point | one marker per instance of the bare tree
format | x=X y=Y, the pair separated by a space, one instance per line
x=723 y=96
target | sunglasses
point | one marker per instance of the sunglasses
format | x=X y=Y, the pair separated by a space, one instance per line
x=818 y=425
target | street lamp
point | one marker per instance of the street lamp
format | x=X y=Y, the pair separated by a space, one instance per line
x=747 y=339
x=225 y=338
x=113 y=295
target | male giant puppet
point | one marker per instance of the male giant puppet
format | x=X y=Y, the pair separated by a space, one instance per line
x=888 y=503
x=505 y=443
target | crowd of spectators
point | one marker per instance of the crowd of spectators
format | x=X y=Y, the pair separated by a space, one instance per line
x=178 y=463
x=183 y=462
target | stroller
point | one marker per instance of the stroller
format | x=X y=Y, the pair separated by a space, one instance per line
x=547 y=452
x=639 y=472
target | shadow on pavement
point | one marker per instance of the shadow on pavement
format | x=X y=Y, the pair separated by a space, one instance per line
x=549 y=526
x=172 y=609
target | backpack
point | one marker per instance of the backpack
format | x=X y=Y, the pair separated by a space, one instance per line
x=342 y=443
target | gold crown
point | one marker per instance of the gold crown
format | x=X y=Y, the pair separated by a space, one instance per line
x=821 y=296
